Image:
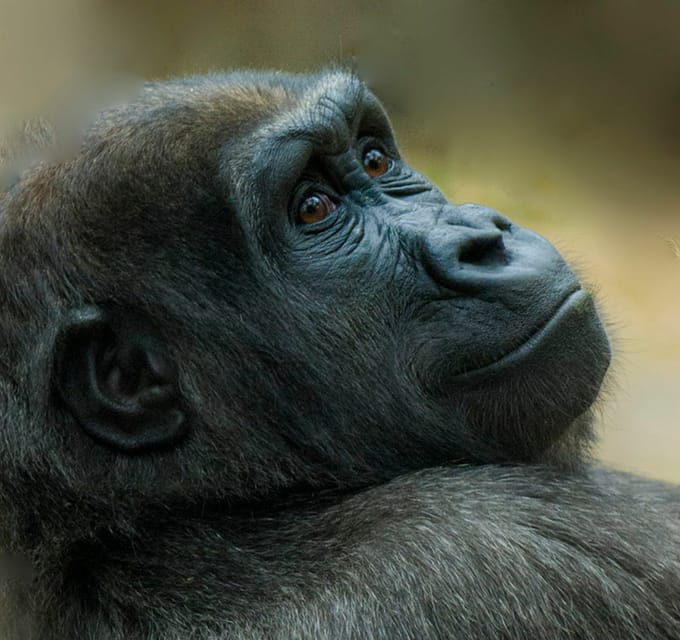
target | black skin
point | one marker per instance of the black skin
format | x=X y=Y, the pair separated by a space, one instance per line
x=260 y=380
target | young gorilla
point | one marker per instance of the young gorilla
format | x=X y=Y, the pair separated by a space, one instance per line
x=260 y=380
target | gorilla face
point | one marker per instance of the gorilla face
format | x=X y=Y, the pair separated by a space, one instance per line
x=478 y=317
x=239 y=283
x=469 y=316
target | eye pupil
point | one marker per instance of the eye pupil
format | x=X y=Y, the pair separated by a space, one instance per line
x=375 y=163
x=311 y=205
x=314 y=208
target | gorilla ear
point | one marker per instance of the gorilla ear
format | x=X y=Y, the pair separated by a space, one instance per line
x=118 y=381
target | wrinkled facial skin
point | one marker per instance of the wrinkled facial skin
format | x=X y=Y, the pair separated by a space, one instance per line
x=325 y=313
x=486 y=320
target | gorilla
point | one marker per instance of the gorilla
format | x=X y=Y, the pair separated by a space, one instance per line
x=260 y=380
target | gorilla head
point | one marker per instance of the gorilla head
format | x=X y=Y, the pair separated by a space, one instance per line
x=239 y=289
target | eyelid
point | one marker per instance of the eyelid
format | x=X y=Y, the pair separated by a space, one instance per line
x=368 y=141
x=364 y=143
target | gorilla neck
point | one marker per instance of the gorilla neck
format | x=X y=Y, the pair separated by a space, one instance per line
x=195 y=565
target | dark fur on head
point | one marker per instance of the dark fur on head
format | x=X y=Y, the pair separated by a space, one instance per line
x=305 y=388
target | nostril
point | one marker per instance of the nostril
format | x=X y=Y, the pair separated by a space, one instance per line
x=482 y=249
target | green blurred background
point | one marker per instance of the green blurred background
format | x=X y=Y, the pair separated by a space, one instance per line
x=565 y=115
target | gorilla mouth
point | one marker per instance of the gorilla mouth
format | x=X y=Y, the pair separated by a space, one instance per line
x=575 y=306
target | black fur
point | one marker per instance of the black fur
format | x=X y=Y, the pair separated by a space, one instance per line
x=218 y=421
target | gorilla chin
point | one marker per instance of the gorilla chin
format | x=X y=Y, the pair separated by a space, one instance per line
x=542 y=388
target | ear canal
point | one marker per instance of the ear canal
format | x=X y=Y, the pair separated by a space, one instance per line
x=119 y=382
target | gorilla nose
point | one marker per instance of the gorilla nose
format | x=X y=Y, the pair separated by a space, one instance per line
x=467 y=249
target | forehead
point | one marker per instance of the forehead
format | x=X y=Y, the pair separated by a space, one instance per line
x=175 y=134
x=151 y=173
x=230 y=102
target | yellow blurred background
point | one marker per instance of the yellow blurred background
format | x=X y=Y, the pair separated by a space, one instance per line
x=563 y=114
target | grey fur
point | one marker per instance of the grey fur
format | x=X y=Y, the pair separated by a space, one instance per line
x=326 y=488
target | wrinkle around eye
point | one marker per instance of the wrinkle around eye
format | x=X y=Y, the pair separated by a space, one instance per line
x=403 y=182
x=341 y=237
x=407 y=190
x=404 y=185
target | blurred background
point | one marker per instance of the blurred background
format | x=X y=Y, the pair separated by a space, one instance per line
x=563 y=114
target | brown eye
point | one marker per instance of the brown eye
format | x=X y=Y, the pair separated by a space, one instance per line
x=376 y=163
x=314 y=208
